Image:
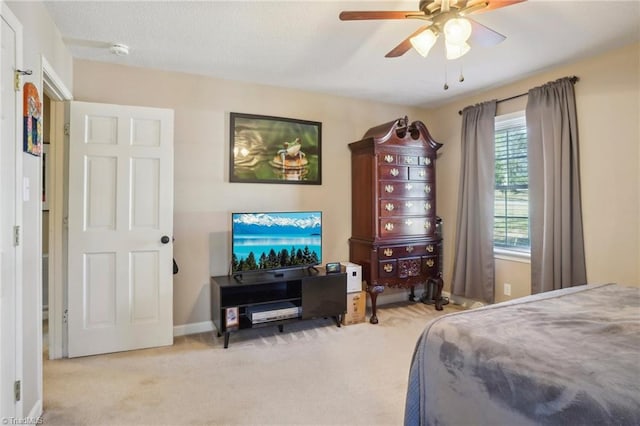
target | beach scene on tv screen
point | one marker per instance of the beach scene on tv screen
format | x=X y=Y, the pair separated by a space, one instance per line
x=276 y=240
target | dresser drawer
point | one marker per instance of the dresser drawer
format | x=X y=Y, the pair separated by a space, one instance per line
x=412 y=189
x=421 y=173
x=391 y=207
x=426 y=161
x=387 y=158
x=407 y=226
x=409 y=160
x=393 y=172
x=387 y=268
x=408 y=250
x=397 y=251
x=409 y=267
x=415 y=160
x=430 y=266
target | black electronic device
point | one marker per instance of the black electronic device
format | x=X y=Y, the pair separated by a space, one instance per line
x=332 y=267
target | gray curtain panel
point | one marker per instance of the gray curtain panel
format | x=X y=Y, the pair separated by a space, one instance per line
x=474 y=267
x=557 y=244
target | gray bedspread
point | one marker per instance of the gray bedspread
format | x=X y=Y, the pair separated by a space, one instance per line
x=565 y=357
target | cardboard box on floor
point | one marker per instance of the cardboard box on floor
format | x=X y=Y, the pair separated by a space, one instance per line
x=356 y=308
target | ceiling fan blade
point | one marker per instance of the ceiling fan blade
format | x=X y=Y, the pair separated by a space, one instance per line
x=364 y=15
x=484 y=36
x=491 y=4
x=405 y=44
x=80 y=42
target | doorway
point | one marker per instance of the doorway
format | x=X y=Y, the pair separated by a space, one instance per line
x=54 y=195
x=46 y=166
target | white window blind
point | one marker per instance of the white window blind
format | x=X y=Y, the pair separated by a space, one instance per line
x=511 y=214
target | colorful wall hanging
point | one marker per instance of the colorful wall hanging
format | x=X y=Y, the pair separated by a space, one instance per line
x=32 y=110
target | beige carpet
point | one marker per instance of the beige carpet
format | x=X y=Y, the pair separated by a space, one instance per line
x=313 y=373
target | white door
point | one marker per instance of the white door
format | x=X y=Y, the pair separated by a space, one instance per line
x=10 y=216
x=120 y=285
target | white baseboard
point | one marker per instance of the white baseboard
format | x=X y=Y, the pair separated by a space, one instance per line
x=385 y=298
x=193 y=328
x=393 y=295
x=34 y=414
x=402 y=295
x=463 y=301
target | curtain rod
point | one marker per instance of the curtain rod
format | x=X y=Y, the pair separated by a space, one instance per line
x=573 y=80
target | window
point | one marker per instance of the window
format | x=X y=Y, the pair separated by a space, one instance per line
x=511 y=214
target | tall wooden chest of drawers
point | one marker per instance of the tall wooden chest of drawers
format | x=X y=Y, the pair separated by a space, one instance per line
x=393 y=219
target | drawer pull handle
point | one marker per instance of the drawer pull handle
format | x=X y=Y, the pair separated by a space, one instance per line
x=408 y=187
x=409 y=249
x=394 y=172
x=422 y=173
x=430 y=263
x=387 y=267
x=427 y=206
x=388 y=226
x=389 y=207
x=427 y=161
x=408 y=222
x=388 y=158
x=427 y=225
x=388 y=188
x=409 y=160
x=430 y=248
x=427 y=189
x=388 y=252
x=408 y=204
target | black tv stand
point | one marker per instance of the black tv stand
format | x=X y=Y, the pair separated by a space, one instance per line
x=242 y=301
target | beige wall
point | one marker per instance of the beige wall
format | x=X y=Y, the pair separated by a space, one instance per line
x=608 y=98
x=608 y=111
x=204 y=198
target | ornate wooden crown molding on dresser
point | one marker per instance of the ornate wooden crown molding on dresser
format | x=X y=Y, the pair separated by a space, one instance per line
x=393 y=219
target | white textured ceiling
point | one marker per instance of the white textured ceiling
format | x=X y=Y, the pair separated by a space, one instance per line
x=303 y=44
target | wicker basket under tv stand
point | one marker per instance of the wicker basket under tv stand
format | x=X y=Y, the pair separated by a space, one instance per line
x=320 y=295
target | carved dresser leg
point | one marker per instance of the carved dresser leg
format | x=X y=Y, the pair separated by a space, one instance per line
x=373 y=292
x=439 y=284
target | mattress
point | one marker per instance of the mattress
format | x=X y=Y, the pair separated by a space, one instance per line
x=564 y=357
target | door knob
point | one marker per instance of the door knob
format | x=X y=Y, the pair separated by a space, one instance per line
x=164 y=239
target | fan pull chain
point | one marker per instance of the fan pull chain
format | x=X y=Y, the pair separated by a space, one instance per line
x=446 y=86
x=461 y=78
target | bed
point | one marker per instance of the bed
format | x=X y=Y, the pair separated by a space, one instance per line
x=564 y=357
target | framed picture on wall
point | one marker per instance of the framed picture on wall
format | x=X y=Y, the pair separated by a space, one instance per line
x=267 y=149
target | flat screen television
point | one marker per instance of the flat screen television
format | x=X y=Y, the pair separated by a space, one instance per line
x=263 y=241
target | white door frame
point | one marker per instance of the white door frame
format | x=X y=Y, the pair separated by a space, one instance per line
x=57 y=91
x=15 y=288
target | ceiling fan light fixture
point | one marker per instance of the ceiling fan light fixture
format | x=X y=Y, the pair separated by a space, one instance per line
x=423 y=42
x=457 y=30
x=455 y=51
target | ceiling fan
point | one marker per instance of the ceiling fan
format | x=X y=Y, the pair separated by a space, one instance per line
x=449 y=17
x=118 y=49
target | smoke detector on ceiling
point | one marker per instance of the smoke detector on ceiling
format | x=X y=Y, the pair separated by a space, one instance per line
x=119 y=49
